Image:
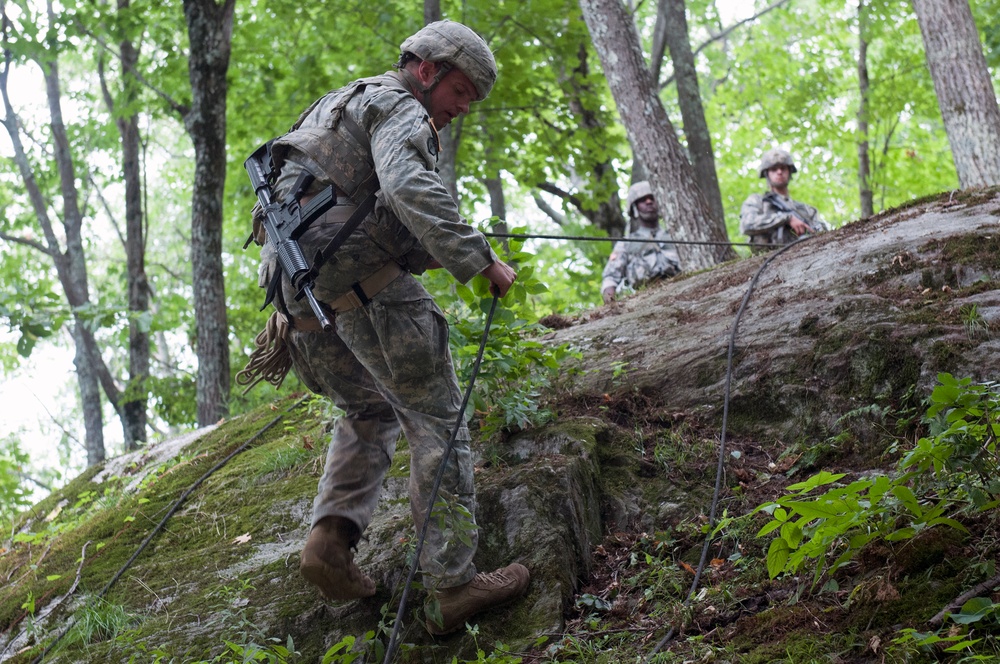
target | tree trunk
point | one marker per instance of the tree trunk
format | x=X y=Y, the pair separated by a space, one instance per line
x=864 y=163
x=608 y=214
x=135 y=399
x=699 y=139
x=964 y=89
x=652 y=135
x=90 y=396
x=210 y=27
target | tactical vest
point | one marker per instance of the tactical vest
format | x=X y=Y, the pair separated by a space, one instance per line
x=331 y=144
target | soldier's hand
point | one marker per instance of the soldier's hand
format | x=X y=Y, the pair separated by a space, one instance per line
x=798 y=226
x=501 y=276
x=608 y=294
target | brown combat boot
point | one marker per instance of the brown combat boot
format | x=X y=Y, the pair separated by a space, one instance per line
x=485 y=591
x=327 y=561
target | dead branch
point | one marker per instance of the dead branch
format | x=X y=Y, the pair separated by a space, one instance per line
x=984 y=587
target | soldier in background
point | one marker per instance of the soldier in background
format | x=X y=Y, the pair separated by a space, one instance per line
x=774 y=218
x=633 y=264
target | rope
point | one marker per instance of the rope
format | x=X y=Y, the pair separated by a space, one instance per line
x=163 y=522
x=270 y=360
x=722 y=445
x=390 y=651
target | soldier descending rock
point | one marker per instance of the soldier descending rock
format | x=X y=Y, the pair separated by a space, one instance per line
x=386 y=363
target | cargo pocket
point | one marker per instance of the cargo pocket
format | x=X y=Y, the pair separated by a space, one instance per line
x=413 y=337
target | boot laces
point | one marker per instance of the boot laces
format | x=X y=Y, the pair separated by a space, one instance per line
x=496 y=577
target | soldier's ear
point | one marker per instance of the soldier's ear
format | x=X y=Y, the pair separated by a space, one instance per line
x=426 y=71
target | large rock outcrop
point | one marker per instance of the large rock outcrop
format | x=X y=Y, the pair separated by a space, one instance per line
x=860 y=318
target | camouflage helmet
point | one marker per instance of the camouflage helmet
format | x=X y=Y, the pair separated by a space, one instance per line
x=637 y=192
x=774 y=158
x=457 y=45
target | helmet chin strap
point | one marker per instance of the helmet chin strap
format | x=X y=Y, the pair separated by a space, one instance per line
x=425 y=92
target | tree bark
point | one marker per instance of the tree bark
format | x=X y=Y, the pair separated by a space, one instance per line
x=652 y=135
x=864 y=162
x=135 y=400
x=608 y=214
x=964 y=89
x=210 y=27
x=699 y=139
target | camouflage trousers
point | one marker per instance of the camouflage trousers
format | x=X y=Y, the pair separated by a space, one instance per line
x=388 y=367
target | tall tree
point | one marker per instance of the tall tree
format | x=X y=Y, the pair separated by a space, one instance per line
x=210 y=30
x=964 y=89
x=864 y=161
x=671 y=21
x=652 y=135
x=127 y=121
x=69 y=259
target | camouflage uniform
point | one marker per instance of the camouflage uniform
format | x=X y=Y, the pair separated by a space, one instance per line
x=632 y=264
x=766 y=224
x=387 y=365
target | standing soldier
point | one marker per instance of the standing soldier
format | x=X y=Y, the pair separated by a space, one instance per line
x=633 y=264
x=774 y=218
x=386 y=363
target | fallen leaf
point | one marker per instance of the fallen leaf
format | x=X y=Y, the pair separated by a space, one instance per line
x=717 y=562
x=242 y=539
x=684 y=565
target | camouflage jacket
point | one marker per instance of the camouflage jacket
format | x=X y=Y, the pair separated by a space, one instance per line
x=631 y=264
x=764 y=223
x=376 y=127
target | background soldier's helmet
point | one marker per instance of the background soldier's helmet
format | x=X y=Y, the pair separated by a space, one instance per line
x=455 y=44
x=776 y=157
x=637 y=192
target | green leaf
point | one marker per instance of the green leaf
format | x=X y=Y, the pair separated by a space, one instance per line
x=816 y=480
x=777 y=557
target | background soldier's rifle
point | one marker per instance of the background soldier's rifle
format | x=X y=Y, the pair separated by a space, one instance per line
x=285 y=223
x=779 y=203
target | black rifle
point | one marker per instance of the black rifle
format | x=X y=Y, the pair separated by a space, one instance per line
x=779 y=202
x=285 y=223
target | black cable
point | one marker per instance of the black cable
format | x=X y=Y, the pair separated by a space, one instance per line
x=393 y=645
x=163 y=521
x=722 y=443
x=591 y=238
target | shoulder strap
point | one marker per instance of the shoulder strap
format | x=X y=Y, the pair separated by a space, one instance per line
x=345 y=231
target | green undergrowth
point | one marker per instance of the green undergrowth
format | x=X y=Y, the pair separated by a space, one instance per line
x=841 y=550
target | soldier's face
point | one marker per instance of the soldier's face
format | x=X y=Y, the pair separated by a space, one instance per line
x=778 y=176
x=647 y=208
x=452 y=97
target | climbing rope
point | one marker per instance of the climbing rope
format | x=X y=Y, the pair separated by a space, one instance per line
x=163 y=521
x=591 y=238
x=722 y=444
x=393 y=646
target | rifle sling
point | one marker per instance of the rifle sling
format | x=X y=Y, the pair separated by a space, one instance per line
x=349 y=227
